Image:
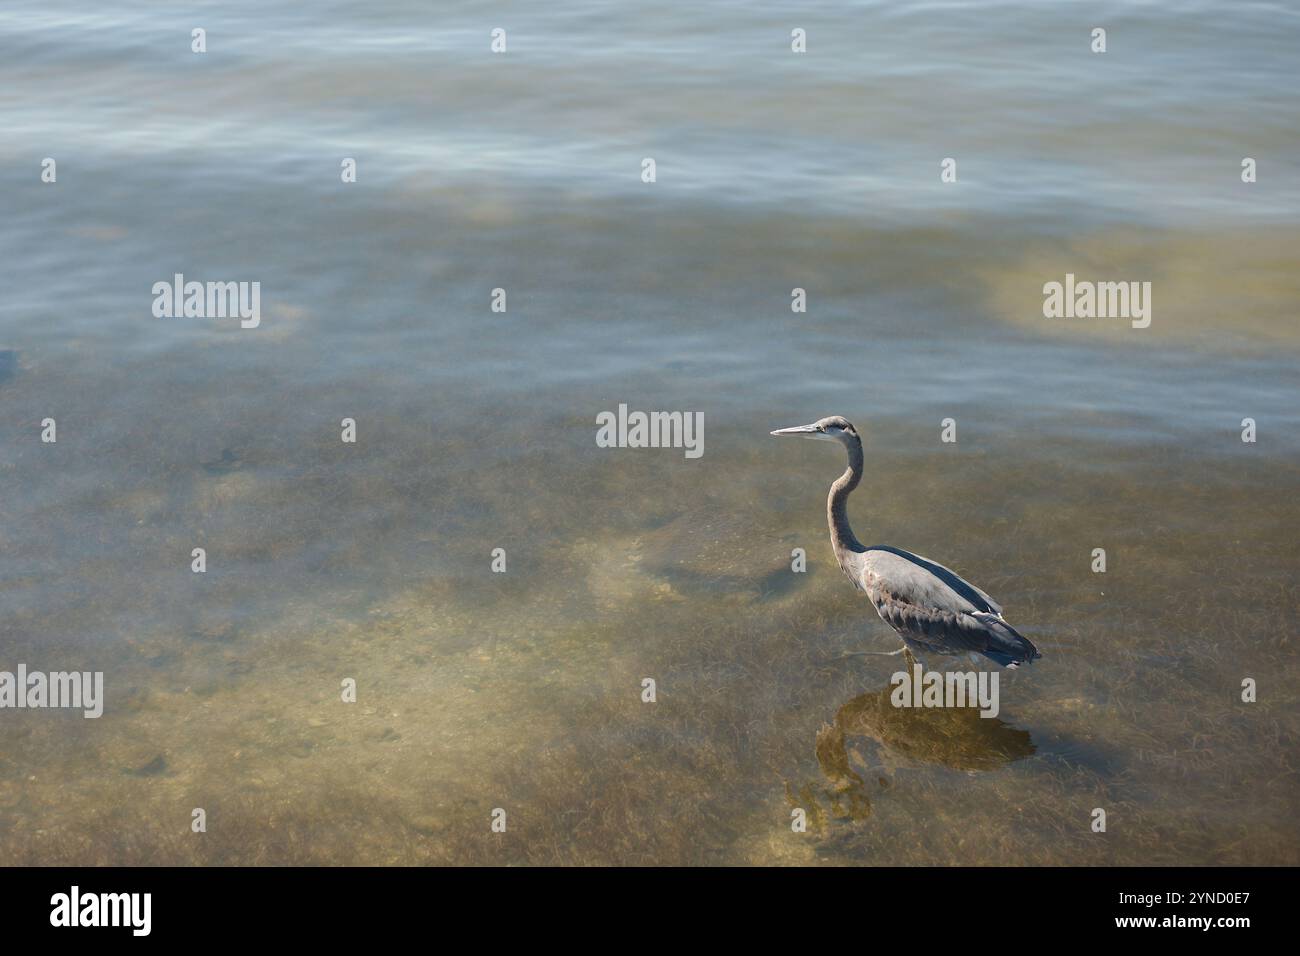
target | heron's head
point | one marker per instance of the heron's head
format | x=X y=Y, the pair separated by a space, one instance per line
x=834 y=428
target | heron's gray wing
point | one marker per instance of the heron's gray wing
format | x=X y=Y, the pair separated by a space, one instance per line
x=935 y=610
x=931 y=631
x=922 y=583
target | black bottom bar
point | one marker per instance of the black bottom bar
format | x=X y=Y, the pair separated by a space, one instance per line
x=327 y=906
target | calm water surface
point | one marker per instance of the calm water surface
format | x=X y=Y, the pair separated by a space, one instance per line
x=476 y=429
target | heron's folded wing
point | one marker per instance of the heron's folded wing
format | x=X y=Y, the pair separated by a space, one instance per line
x=922 y=583
x=939 y=631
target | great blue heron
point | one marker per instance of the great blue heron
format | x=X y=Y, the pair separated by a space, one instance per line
x=933 y=610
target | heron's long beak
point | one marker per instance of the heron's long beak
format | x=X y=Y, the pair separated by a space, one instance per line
x=801 y=431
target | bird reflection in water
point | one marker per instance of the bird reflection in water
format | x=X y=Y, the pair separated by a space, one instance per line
x=954 y=737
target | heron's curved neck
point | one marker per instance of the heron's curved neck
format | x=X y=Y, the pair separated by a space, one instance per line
x=842 y=537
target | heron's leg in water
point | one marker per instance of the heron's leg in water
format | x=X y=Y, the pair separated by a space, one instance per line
x=901 y=650
x=904 y=650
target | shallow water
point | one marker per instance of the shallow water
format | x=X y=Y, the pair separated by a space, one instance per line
x=476 y=431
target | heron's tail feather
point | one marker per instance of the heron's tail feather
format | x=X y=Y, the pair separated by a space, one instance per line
x=1006 y=645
